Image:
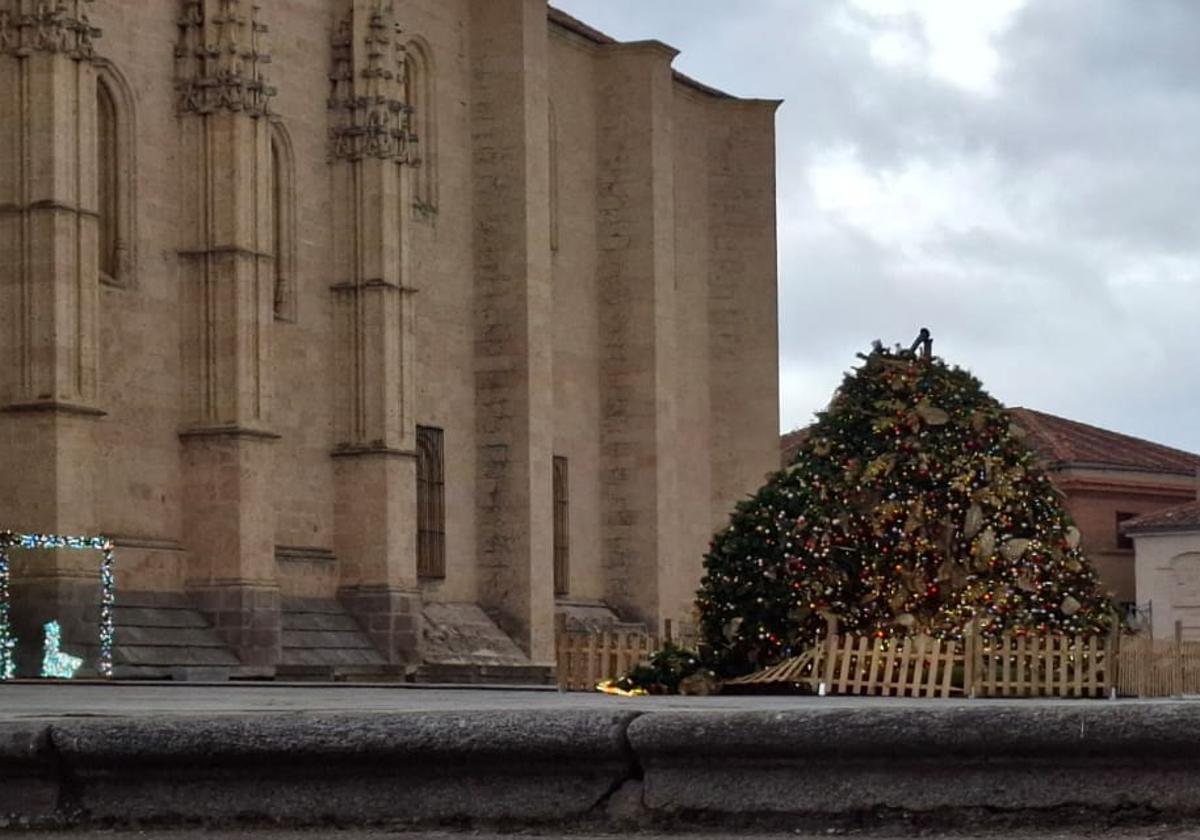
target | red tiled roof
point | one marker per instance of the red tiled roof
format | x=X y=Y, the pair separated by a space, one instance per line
x=1065 y=442
x=1070 y=443
x=790 y=443
x=1184 y=517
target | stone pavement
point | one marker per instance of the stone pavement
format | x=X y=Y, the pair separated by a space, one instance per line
x=123 y=699
x=164 y=756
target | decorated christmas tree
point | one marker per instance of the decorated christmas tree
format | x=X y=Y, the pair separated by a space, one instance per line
x=912 y=506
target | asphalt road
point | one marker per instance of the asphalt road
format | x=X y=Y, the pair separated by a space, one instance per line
x=48 y=700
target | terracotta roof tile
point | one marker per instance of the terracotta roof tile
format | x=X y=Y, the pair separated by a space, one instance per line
x=1068 y=442
x=1184 y=517
x=789 y=444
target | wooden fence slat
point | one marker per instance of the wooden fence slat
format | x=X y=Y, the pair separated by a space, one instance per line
x=831 y=647
x=948 y=663
x=970 y=646
x=1048 y=645
x=928 y=665
x=844 y=674
x=1083 y=666
x=913 y=672
x=889 y=687
x=865 y=681
x=902 y=651
x=1005 y=667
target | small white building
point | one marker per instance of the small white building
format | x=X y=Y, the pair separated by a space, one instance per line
x=1167 y=568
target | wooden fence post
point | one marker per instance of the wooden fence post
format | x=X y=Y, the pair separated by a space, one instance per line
x=831 y=629
x=1177 y=665
x=1112 y=660
x=969 y=645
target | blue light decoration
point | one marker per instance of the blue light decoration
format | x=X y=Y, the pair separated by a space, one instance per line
x=108 y=586
x=57 y=663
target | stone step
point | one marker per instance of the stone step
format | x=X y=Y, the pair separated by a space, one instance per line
x=320 y=639
x=184 y=673
x=333 y=622
x=330 y=606
x=331 y=657
x=167 y=636
x=127 y=616
x=166 y=656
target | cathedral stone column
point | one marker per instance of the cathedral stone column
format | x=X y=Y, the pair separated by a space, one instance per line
x=375 y=469
x=227 y=278
x=513 y=335
x=49 y=273
x=636 y=279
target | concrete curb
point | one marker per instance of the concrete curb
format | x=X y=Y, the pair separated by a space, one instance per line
x=948 y=764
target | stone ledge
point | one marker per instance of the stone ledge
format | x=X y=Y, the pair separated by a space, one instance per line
x=928 y=764
x=841 y=763
x=427 y=767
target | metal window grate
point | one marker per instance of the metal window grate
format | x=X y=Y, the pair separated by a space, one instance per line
x=562 y=533
x=431 y=504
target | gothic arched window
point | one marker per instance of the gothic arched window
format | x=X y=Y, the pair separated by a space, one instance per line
x=115 y=205
x=418 y=63
x=283 y=223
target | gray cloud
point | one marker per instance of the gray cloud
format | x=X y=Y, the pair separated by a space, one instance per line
x=1044 y=225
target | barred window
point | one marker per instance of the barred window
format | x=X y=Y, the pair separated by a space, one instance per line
x=562 y=531
x=431 y=504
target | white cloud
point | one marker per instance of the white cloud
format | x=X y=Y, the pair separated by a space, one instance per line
x=905 y=207
x=951 y=40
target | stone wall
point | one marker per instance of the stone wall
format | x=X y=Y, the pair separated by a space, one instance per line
x=577 y=258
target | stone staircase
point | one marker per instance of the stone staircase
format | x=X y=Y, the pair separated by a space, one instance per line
x=161 y=636
x=322 y=641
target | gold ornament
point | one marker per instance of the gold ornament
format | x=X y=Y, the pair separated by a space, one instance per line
x=1013 y=549
x=931 y=414
x=1073 y=537
x=974 y=521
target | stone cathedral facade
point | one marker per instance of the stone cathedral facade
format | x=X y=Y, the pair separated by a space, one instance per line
x=373 y=332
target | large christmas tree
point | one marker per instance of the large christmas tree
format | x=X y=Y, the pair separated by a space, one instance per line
x=912 y=506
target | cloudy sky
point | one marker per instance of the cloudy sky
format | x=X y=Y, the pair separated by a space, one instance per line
x=1021 y=176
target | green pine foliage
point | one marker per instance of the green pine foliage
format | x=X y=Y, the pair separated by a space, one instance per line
x=912 y=506
x=663 y=671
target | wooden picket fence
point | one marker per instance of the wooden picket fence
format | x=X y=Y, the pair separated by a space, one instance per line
x=586 y=658
x=922 y=666
x=1158 y=667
